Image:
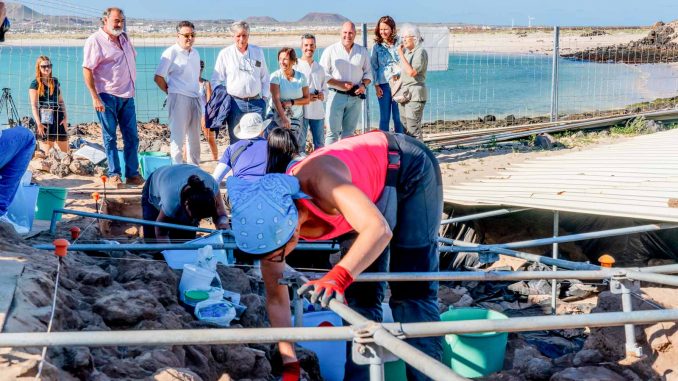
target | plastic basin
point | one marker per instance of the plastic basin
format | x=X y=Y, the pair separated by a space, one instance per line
x=474 y=354
x=50 y=198
x=22 y=208
x=150 y=161
x=331 y=354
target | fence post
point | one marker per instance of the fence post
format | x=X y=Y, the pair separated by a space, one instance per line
x=366 y=101
x=554 y=254
x=554 y=76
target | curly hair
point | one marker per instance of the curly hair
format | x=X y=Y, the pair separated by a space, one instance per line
x=388 y=20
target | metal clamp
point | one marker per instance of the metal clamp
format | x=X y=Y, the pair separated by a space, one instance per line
x=364 y=351
x=619 y=285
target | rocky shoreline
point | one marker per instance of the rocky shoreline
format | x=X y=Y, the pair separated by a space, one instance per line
x=659 y=46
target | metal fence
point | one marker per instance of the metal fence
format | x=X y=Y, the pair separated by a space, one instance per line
x=492 y=71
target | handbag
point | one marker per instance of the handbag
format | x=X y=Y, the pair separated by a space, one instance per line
x=399 y=93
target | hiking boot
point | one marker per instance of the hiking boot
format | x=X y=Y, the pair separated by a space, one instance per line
x=135 y=181
x=115 y=182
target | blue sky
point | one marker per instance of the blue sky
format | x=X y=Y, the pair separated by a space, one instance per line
x=493 y=12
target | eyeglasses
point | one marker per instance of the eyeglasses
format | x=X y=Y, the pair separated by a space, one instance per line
x=246 y=64
x=48 y=66
x=278 y=258
x=188 y=35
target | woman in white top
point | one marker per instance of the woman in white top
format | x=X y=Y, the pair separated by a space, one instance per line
x=205 y=95
x=289 y=92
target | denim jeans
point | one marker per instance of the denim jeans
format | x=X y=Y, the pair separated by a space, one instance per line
x=120 y=112
x=418 y=200
x=342 y=114
x=387 y=108
x=239 y=108
x=317 y=127
x=17 y=145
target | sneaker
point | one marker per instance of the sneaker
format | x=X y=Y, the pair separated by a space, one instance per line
x=135 y=180
x=115 y=182
x=18 y=228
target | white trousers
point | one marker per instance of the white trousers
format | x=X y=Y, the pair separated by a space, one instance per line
x=185 y=114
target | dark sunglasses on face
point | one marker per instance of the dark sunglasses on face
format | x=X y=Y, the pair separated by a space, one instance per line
x=48 y=66
x=188 y=35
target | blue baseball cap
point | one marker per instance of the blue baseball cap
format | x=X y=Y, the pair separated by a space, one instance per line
x=264 y=216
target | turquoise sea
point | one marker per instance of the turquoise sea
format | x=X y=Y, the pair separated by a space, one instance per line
x=476 y=84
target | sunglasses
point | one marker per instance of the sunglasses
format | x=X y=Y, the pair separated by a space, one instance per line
x=188 y=35
x=48 y=66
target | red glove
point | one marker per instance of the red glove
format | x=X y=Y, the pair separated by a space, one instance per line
x=291 y=371
x=333 y=284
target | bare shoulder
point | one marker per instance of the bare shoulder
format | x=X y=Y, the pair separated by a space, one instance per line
x=318 y=174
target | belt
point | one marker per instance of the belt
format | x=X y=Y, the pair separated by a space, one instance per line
x=341 y=92
x=247 y=99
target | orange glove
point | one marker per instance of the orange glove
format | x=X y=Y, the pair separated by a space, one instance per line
x=332 y=285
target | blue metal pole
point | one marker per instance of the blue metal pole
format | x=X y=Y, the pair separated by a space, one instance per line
x=171 y=246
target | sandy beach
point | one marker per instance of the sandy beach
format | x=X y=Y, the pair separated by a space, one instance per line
x=524 y=41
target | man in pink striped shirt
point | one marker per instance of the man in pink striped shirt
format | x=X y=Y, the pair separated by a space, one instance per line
x=109 y=68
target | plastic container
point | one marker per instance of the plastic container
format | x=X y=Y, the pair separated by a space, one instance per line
x=196 y=278
x=22 y=209
x=474 y=354
x=193 y=297
x=50 y=198
x=176 y=259
x=150 y=161
x=331 y=354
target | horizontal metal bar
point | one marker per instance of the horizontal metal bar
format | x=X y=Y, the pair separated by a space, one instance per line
x=174 y=337
x=495 y=276
x=664 y=269
x=130 y=220
x=172 y=246
x=565 y=238
x=536 y=323
x=477 y=216
x=668 y=280
x=461 y=246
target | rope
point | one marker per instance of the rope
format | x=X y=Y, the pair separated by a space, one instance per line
x=51 y=318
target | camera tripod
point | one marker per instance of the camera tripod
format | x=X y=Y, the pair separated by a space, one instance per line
x=7 y=103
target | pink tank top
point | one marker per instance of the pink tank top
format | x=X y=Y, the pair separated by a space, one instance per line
x=366 y=158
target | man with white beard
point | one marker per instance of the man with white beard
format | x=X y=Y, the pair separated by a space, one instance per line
x=109 y=68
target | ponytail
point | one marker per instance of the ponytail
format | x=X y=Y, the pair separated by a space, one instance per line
x=198 y=198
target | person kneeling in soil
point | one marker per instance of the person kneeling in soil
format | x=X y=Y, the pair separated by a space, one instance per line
x=180 y=194
x=380 y=195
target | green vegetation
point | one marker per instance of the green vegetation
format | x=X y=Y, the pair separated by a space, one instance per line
x=634 y=126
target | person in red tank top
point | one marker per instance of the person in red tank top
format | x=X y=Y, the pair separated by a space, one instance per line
x=346 y=191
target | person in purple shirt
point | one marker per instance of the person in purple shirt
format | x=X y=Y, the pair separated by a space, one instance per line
x=246 y=157
x=109 y=68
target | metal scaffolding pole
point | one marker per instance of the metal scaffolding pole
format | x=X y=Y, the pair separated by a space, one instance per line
x=476 y=216
x=491 y=276
x=668 y=280
x=171 y=246
x=664 y=269
x=554 y=254
x=56 y=212
x=561 y=239
x=272 y=335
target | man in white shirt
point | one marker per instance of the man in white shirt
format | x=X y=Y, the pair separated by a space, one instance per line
x=178 y=75
x=241 y=67
x=348 y=70
x=314 y=112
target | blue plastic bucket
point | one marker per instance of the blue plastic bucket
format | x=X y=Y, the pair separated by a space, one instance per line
x=22 y=209
x=331 y=354
x=150 y=161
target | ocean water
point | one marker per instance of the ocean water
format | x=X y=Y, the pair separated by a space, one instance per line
x=476 y=84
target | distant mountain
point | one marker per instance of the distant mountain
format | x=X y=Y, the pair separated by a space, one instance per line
x=261 y=20
x=322 y=18
x=16 y=11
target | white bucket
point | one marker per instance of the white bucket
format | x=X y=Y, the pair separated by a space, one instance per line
x=195 y=278
x=331 y=354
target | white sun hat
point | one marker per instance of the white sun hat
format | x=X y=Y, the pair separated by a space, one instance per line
x=250 y=126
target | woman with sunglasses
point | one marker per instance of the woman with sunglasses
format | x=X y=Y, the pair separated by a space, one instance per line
x=380 y=195
x=48 y=108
